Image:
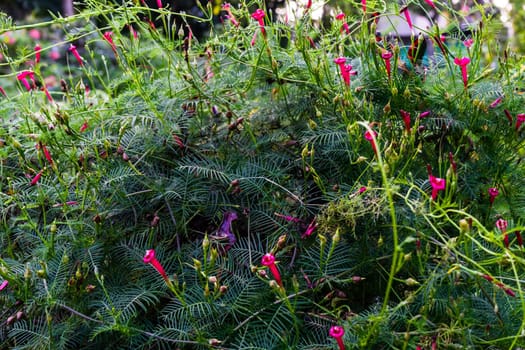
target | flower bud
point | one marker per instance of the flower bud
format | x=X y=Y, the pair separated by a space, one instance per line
x=464 y=226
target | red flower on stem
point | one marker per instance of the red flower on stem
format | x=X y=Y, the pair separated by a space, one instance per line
x=438 y=184
x=22 y=78
x=452 y=162
x=493 y=193
x=109 y=38
x=2 y=91
x=83 y=127
x=370 y=137
x=38 y=50
x=386 y=56
x=150 y=258
x=430 y=3
x=509 y=116
x=405 y=12
x=269 y=260
x=363 y=5
x=520 y=118
x=462 y=63
x=35 y=179
x=341 y=17
x=496 y=102
x=338 y=332
x=345 y=74
x=519 y=239
x=310 y=229
x=502 y=224
x=406 y=119
x=46 y=152
x=258 y=15
x=3 y=285
x=159 y=4
x=74 y=52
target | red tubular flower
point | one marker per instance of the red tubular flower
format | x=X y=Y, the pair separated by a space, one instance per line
x=430 y=3
x=406 y=119
x=35 y=179
x=363 y=5
x=370 y=136
x=38 y=49
x=22 y=78
x=502 y=224
x=48 y=95
x=227 y=7
x=109 y=38
x=83 y=127
x=520 y=118
x=258 y=15
x=519 y=239
x=3 y=285
x=462 y=63
x=149 y=258
x=468 y=43
x=74 y=52
x=341 y=17
x=47 y=154
x=424 y=114
x=509 y=116
x=493 y=193
x=269 y=260
x=338 y=332
x=488 y=277
x=509 y=292
x=310 y=229
x=438 y=184
x=496 y=102
x=288 y=217
x=2 y=91
x=405 y=12
x=159 y=4
x=340 y=61
x=386 y=56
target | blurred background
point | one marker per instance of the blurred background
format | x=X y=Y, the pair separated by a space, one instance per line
x=510 y=14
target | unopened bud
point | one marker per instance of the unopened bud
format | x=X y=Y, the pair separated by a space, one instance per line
x=223 y=289
x=212 y=279
x=464 y=226
x=411 y=282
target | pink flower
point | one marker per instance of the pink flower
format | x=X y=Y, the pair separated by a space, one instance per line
x=83 y=127
x=345 y=72
x=310 y=229
x=227 y=7
x=424 y=114
x=362 y=189
x=149 y=258
x=509 y=116
x=452 y=162
x=38 y=49
x=159 y=4
x=2 y=91
x=468 y=43
x=501 y=225
x=438 y=184
x=462 y=63
x=22 y=78
x=268 y=260
x=404 y=11
x=338 y=332
x=109 y=38
x=430 y=3
x=386 y=56
x=54 y=54
x=74 y=51
x=496 y=102
x=363 y=5
x=288 y=217
x=493 y=193
x=3 y=285
x=35 y=179
x=370 y=136
x=48 y=95
x=258 y=15
x=34 y=34
x=519 y=239
x=341 y=17
x=406 y=119
x=520 y=118
x=47 y=154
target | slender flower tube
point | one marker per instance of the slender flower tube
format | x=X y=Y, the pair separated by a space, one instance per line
x=109 y=38
x=405 y=12
x=386 y=56
x=35 y=179
x=438 y=184
x=340 y=61
x=341 y=17
x=310 y=229
x=2 y=91
x=406 y=119
x=370 y=137
x=519 y=239
x=269 y=261
x=3 y=285
x=47 y=154
x=424 y=114
x=149 y=258
x=48 y=95
x=462 y=63
x=22 y=78
x=38 y=50
x=496 y=102
x=520 y=118
x=338 y=332
x=74 y=52
x=159 y=4
x=363 y=5
x=452 y=162
x=493 y=193
x=227 y=7
x=83 y=127
x=509 y=116
x=258 y=15
x=430 y=3
x=501 y=225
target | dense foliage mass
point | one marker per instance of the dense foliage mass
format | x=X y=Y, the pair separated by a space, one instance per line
x=282 y=184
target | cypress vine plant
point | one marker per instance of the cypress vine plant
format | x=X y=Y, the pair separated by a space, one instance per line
x=274 y=186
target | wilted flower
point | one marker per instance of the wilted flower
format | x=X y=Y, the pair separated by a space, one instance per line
x=386 y=56
x=501 y=225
